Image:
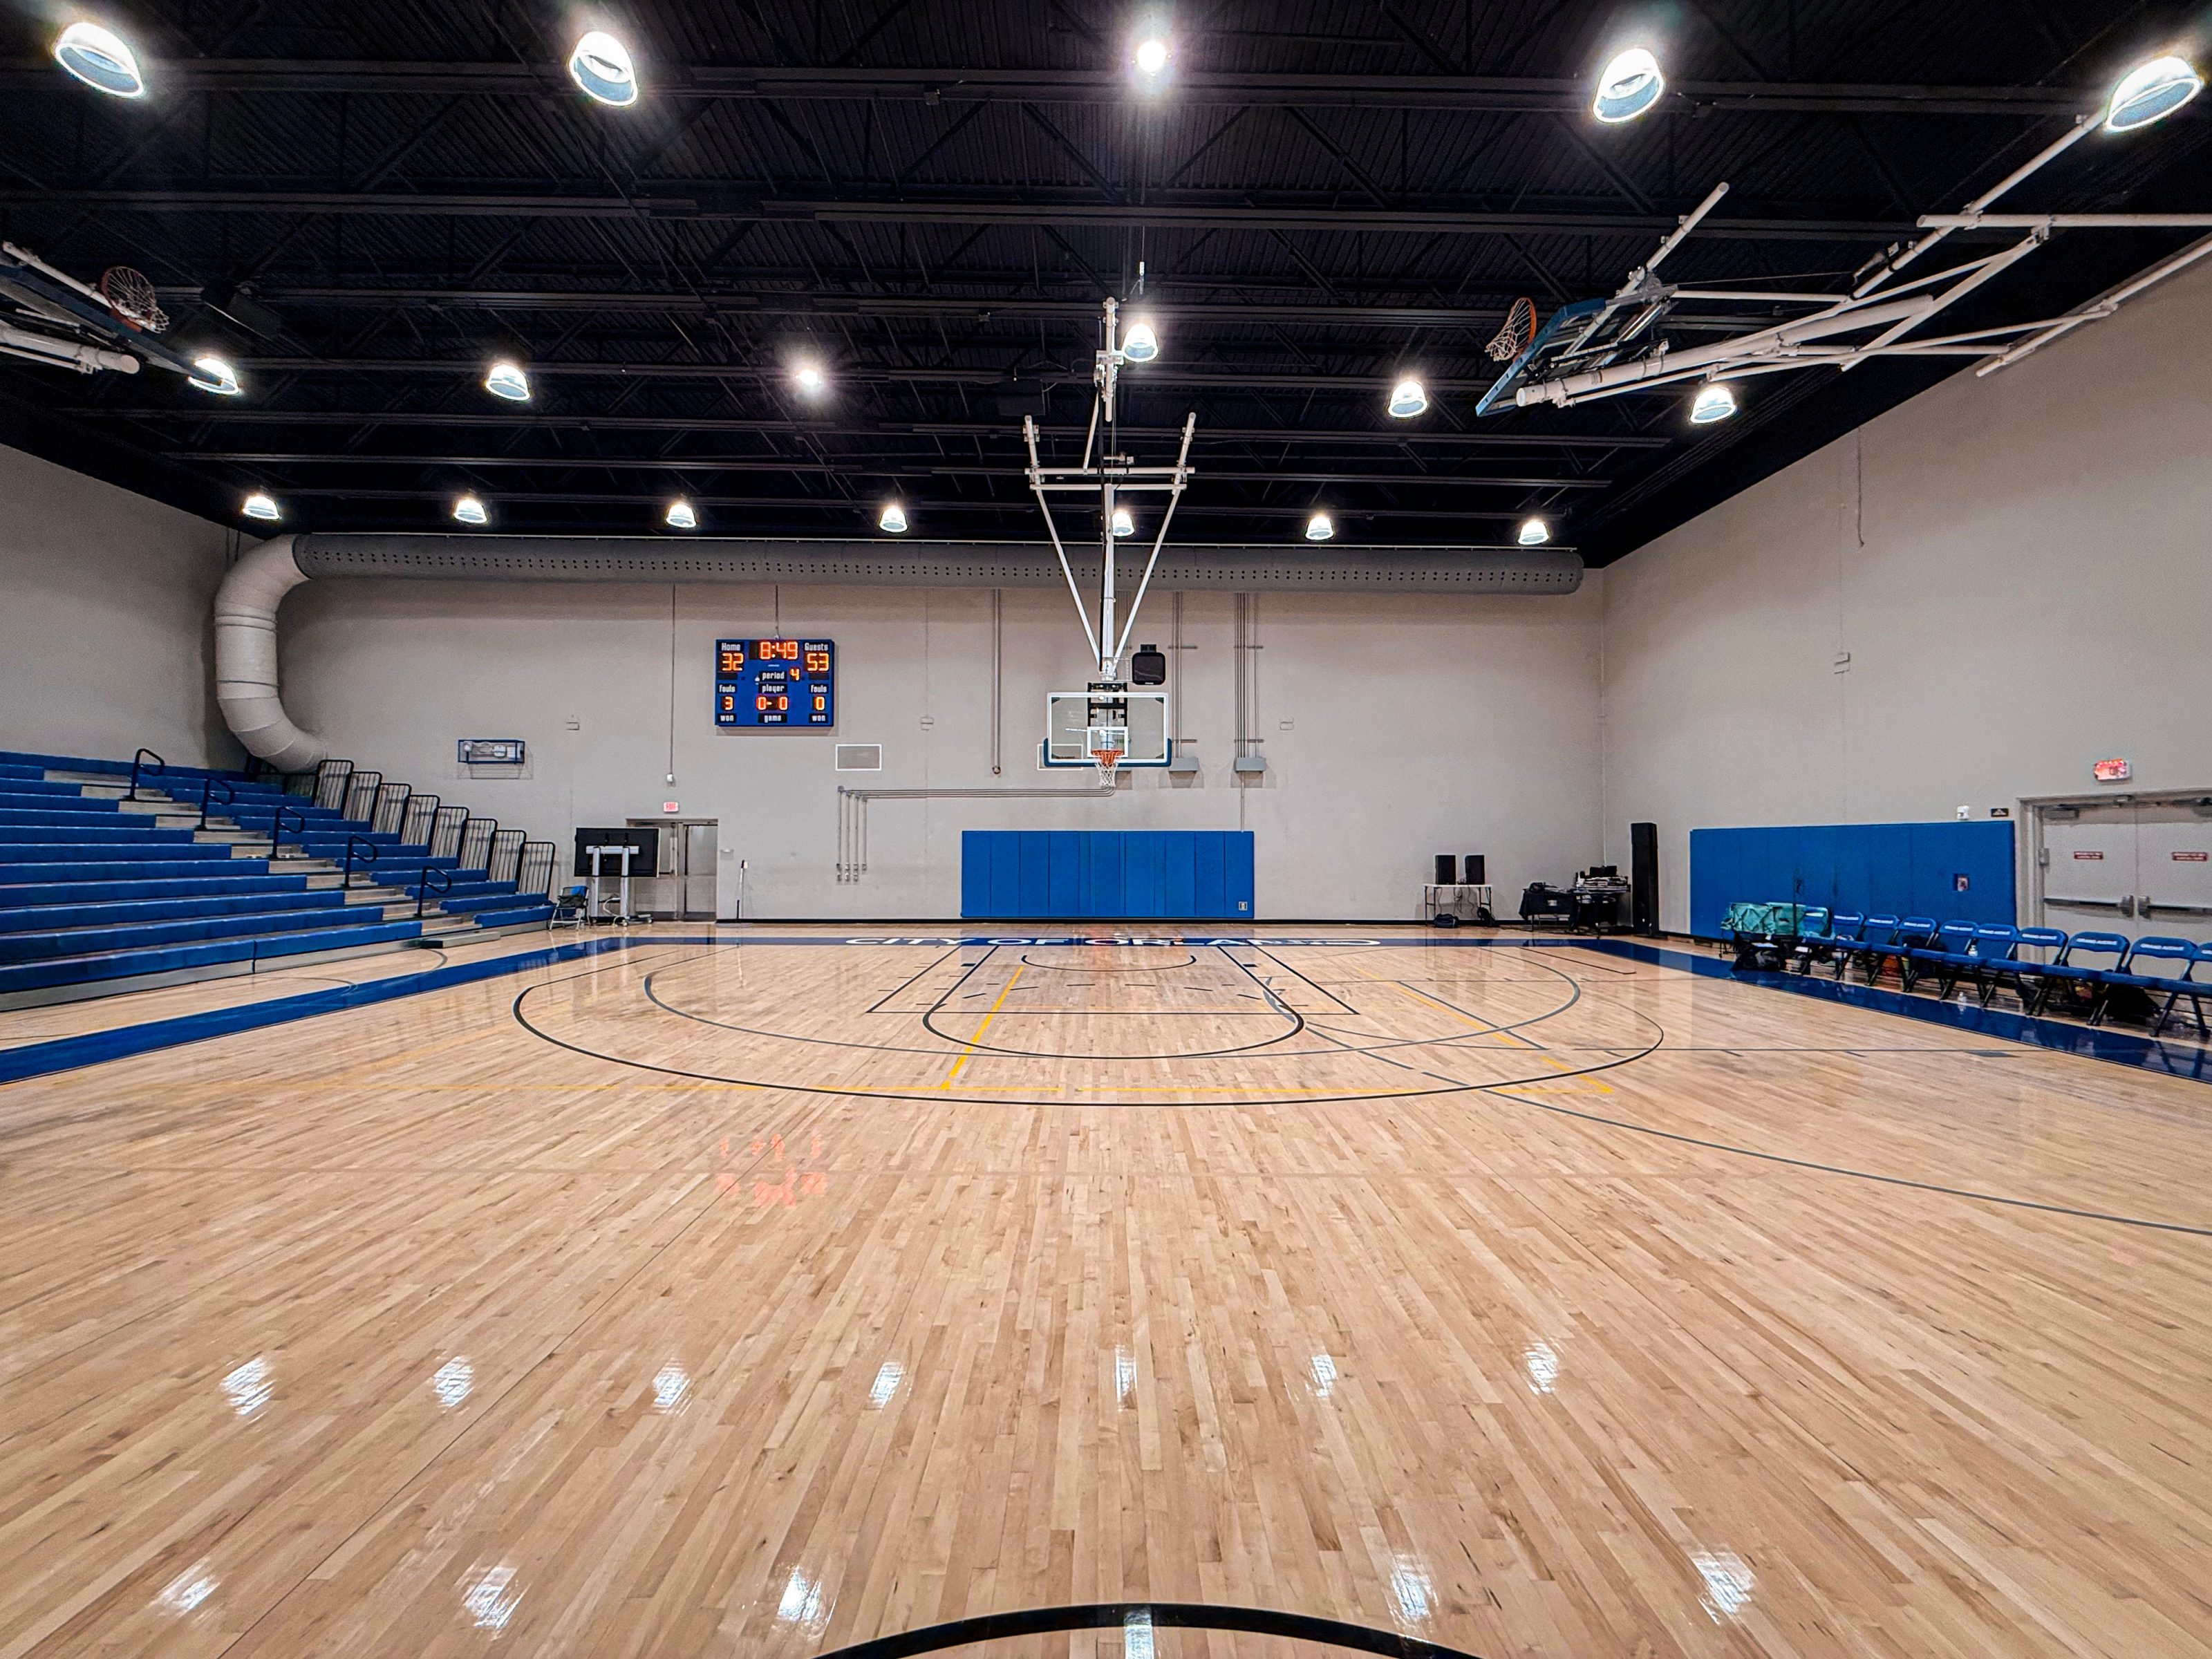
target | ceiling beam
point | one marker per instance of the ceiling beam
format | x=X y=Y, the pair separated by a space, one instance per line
x=713 y=204
x=1488 y=94
x=232 y=414
x=1153 y=374
x=891 y=467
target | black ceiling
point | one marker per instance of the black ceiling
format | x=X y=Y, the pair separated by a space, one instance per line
x=364 y=204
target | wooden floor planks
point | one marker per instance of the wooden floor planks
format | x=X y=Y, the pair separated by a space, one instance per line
x=1483 y=1294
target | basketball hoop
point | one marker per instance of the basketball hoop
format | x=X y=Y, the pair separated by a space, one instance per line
x=130 y=296
x=1518 y=334
x=1106 y=744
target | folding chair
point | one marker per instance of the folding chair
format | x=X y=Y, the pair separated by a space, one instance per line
x=2073 y=974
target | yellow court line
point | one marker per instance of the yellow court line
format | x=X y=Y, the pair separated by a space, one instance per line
x=984 y=1027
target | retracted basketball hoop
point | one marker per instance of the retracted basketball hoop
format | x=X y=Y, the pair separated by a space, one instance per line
x=1096 y=726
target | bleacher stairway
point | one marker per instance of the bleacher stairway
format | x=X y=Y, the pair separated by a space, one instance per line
x=121 y=875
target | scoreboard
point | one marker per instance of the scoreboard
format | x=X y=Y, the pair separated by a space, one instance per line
x=778 y=682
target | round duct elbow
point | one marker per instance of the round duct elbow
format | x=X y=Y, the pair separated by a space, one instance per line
x=246 y=685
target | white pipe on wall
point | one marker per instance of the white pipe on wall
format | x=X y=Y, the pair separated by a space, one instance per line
x=246 y=685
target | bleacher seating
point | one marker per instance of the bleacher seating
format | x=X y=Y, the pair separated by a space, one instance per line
x=2082 y=971
x=119 y=874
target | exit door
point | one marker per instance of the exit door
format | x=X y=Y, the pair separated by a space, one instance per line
x=689 y=855
x=2137 y=867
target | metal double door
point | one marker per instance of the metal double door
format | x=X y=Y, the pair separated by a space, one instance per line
x=2139 y=867
x=688 y=862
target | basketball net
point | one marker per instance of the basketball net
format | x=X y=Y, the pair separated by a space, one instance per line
x=1107 y=745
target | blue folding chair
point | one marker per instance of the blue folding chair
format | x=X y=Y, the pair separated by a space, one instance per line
x=1879 y=935
x=2071 y=972
x=1844 y=927
x=1913 y=933
x=1949 y=952
x=2020 y=972
x=2156 y=965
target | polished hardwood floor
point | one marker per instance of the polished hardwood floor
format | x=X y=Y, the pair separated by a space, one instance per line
x=750 y=1298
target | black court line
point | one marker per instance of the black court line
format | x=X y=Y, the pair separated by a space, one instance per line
x=1157 y=1615
x=1261 y=949
x=1856 y=1174
x=1108 y=967
x=877 y=1006
x=917 y=1092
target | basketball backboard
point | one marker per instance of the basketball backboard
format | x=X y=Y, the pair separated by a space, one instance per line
x=1071 y=716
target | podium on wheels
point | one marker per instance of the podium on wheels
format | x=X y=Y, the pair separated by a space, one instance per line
x=620 y=855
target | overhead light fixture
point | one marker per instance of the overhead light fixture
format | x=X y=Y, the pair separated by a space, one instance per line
x=807 y=375
x=470 y=510
x=1320 y=528
x=1715 y=401
x=600 y=65
x=262 y=507
x=101 y=59
x=1140 y=345
x=1535 y=532
x=1408 y=397
x=892 y=519
x=1123 y=524
x=2151 y=91
x=506 y=379
x=212 y=373
x=680 y=515
x=1627 y=86
x=1151 y=56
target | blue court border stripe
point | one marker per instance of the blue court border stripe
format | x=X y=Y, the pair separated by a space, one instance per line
x=34 y=1059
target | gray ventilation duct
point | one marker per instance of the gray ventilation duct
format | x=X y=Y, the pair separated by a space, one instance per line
x=246 y=656
x=878 y=563
x=246 y=606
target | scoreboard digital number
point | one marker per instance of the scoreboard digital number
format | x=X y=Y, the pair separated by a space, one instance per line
x=775 y=683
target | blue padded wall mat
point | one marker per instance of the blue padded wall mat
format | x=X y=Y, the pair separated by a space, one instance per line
x=1910 y=869
x=1106 y=875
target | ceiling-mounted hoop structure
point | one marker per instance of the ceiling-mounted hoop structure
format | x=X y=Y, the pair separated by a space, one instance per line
x=1602 y=348
x=1113 y=475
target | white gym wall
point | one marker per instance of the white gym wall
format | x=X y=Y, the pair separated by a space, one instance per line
x=2020 y=569
x=1394 y=727
x=104 y=627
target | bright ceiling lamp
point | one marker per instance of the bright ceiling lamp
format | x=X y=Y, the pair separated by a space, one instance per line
x=1123 y=524
x=1150 y=57
x=506 y=379
x=1715 y=401
x=807 y=375
x=1140 y=344
x=680 y=515
x=1628 y=86
x=600 y=65
x=212 y=373
x=1535 y=532
x=892 y=519
x=1319 y=527
x=2151 y=91
x=470 y=510
x=101 y=57
x=262 y=507
x=1408 y=397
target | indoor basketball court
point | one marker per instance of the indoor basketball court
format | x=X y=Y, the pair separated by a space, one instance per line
x=904 y=828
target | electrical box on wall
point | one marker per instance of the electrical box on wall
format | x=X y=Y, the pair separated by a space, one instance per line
x=490 y=751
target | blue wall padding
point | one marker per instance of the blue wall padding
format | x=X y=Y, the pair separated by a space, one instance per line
x=1906 y=869
x=1120 y=875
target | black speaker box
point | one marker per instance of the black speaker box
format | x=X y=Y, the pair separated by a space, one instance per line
x=1447 y=869
x=1478 y=869
x=1644 y=877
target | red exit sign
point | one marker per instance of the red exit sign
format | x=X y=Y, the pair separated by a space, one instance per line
x=2113 y=771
